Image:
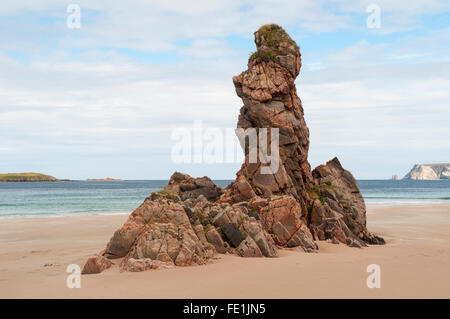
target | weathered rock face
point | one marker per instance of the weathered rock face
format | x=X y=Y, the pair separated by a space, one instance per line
x=270 y=101
x=445 y=173
x=166 y=231
x=192 y=219
x=239 y=231
x=283 y=218
x=159 y=230
x=429 y=172
x=191 y=188
x=96 y=264
x=338 y=211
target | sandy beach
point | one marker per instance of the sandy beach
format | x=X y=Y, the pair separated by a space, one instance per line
x=415 y=263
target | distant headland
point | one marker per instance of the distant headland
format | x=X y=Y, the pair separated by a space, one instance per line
x=106 y=179
x=429 y=172
x=29 y=177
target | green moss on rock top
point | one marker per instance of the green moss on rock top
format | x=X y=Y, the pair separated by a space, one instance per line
x=164 y=193
x=274 y=35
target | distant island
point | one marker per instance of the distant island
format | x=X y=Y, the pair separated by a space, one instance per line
x=28 y=177
x=106 y=179
x=429 y=172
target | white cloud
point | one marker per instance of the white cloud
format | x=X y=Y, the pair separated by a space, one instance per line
x=76 y=94
x=372 y=112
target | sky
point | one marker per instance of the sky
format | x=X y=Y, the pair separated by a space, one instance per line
x=104 y=99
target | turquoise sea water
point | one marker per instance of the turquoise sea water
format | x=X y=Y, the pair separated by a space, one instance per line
x=404 y=192
x=18 y=200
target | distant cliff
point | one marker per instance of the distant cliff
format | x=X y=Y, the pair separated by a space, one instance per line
x=429 y=171
x=27 y=177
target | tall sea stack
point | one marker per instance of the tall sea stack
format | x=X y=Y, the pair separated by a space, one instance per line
x=270 y=101
x=192 y=219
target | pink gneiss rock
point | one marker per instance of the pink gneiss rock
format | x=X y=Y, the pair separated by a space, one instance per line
x=96 y=264
x=270 y=101
x=160 y=230
x=192 y=219
x=191 y=188
x=340 y=212
x=283 y=218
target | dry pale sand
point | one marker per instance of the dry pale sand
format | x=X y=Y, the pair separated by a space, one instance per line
x=414 y=263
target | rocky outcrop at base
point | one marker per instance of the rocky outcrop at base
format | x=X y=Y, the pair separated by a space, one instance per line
x=166 y=231
x=192 y=220
x=338 y=211
x=191 y=188
x=96 y=264
x=284 y=219
x=159 y=230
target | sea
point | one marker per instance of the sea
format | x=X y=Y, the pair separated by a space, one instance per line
x=53 y=199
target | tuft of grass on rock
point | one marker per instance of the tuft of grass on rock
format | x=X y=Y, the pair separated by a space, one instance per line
x=253 y=56
x=221 y=234
x=207 y=228
x=271 y=56
x=313 y=194
x=275 y=35
x=164 y=193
